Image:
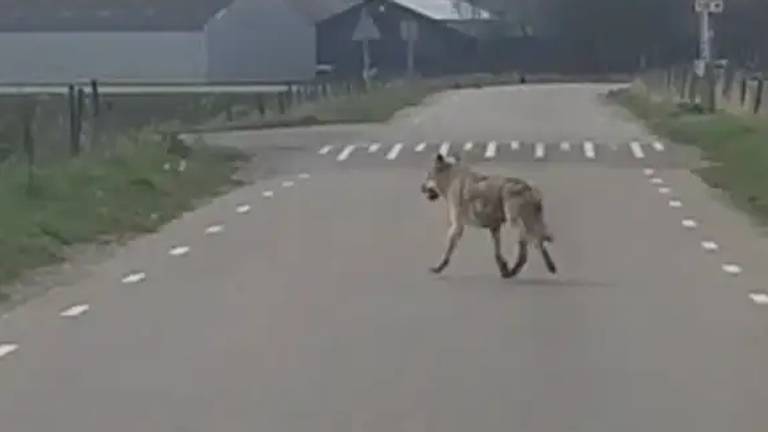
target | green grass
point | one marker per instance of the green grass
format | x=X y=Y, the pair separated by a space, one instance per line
x=105 y=199
x=735 y=147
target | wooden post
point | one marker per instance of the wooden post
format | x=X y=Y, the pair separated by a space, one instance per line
x=74 y=133
x=759 y=96
x=260 y=104
x=28 y=114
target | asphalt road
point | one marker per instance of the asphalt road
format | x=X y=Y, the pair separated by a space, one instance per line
x=310 y=307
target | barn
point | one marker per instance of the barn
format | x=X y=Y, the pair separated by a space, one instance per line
x=58 y=41
x=449 y=35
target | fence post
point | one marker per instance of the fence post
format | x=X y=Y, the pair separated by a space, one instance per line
x=743 y=95
x=74 y=133
x=683 y=83
x=281 y=102
x=28 y=114
x=759 y=96
x=96 y=121
x=260 y=104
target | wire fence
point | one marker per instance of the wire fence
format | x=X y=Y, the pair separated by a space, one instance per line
x=56 y=124
x=735 y=90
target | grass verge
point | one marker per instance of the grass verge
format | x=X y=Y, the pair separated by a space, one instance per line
x=735 y=147
x=104 y=199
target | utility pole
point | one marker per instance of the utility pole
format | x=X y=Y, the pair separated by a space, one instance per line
x=704 y=66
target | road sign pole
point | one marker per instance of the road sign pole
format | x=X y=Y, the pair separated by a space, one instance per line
x=366 y=62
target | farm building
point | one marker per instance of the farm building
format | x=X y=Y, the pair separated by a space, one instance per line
x=448 y=40
x=57 y=41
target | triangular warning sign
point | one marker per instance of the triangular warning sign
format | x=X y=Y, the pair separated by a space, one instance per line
x=366 y=29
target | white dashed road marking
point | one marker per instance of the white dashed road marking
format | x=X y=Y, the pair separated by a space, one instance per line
x=490 y=150
x=539 y=150
x=565 y=146
x=637 y=150
x=760 y=298
x=675 y=204
x=268 y=194
x=649 y=172
x=345 y=153
x=134 y=278
x=514 y=145
x=75 y=311
x=242 y=209
x=445 y=148
x=179 y=251
x=420 y=148
x=665 y=190
x=288 y=183
x=690 y=223
x=304 y=176
x=374 y=147
x=589 y=150
x=710 y=246
x=214 y=229
x=392 y=155
x=657 y=181
x=658 y=146
x=325 y=150
x=7 y=348
x=732 y=269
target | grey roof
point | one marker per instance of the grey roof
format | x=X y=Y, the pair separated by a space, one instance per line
x=446 y=10
x=107 y=15
x=318 y=10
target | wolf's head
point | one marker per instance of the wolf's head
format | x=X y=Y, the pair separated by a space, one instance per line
x=439 y=176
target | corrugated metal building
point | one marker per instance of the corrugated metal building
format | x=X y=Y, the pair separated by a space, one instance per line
x=57 y=41
x=449 y=34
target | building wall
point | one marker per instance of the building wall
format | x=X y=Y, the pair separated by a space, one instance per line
x=260 y=40
x=70 y=56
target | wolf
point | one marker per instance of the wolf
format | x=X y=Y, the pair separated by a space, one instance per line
x=488 y=202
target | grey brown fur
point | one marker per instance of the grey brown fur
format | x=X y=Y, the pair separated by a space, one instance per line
x=488 y=202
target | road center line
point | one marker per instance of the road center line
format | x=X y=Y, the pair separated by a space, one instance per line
x=589 y=149
x=710 y=246
x=539 y=150
x=675 y=204
x=690 y=223
x=490 y=150
x=373 y=148
x=7 y=348
x=657 y=181
x=304 y=176
x=214 y=229
x=345 y=153
x=468 y=146
x=445 y=148
x=392 y=155
x=565 y=146
x=760 y=298
x=658 y=146
x=420 y=147
x=268 y=194
x=288 y=183
x=75 y=311
x=649 y=172
x=637 y=150
x=133 y=278
x=179 y=251
x=243 y=209
x=325 y=150
x=665 y=190
x=732 y=269
x=514 y=145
